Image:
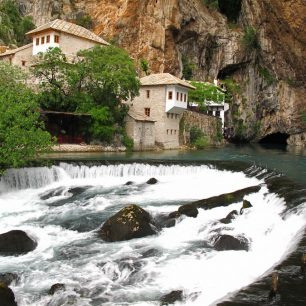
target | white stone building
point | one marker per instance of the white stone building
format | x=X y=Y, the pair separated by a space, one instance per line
x=69 y=37
x=163 y=98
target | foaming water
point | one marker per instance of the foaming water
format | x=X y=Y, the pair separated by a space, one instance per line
x=139 y=271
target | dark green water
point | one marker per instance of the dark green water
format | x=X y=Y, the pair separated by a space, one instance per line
x=290 y=161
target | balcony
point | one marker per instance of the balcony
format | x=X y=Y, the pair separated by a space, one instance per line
x=174 y=106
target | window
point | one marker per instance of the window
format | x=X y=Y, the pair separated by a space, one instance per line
x=48 y=39
x=168 y=115
x=43 y=40
x=171 y=116
x=37 y=41
x=23 y=63
x=170 y=95
x=147 y=111
x=177 y=96
x=181 y=96
x=171 y=132
x=167 y=132
x=148 y=94
x=217 y=113
x=56 y=39
x=174 y=132
x=185 y=98
x=176 y=116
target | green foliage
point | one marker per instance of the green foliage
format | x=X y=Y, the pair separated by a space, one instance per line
x=12 y=25
x=303 y=117
x=212 y=4
x=188 y=68
x=268 y=77
x=102 y=127
x=84 y=21
x=97 y=82
x=198 y=139
x=205 y=92
x=250 y=39
x=144 y=65
x=202 y=142
x=127 y=142
x=232 y=89
x=22 y=134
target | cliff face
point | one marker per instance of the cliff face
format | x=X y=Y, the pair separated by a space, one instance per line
x=271 y=94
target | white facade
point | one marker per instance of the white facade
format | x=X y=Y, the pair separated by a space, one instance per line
x=176 y=99
x=43 y=41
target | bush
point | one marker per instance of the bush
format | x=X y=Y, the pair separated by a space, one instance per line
x=202 y=142
x=128 y=142
x=249 y=39
x=212 y=4
x=195 y=134
x=85 y=21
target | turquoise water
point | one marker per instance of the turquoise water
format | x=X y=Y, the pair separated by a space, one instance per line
x=290 y=161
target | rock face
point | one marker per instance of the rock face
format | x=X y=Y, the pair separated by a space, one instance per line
x=130 y=222
x=7 y=297
x=271 y=74
x=16 y=242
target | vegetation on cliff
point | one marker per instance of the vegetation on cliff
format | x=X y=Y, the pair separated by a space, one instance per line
x=22 y=134
x=13 y=25
x=95 y=83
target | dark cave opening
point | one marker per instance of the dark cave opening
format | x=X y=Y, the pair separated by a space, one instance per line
x=230 y=8
x=275 y=139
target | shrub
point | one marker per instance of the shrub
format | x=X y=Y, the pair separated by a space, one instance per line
x=212 y=4
x=128 y=142
x=249 y=39
x=202 y=142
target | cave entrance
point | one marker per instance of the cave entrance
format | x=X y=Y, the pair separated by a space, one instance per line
x=231 y=9
x=275 y=139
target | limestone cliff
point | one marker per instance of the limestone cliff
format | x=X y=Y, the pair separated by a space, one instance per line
x=271 y=94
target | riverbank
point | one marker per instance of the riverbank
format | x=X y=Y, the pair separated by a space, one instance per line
x=71 y=148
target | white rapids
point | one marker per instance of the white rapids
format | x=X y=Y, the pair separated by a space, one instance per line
x=139 y=271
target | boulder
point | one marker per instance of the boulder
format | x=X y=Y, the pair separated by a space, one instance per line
x=130 y=222
x=188 y=210
x=16 y=242
x=8 y=278
x=7 y=297
x=230 y=243
x=174 y=215
x=56 y=287
x=129 y=183
x=246 y=204
x=52 y=193
x=152 y=181
x=231 y=216
x=172 y=297
x=221 y=200
x=163 y=220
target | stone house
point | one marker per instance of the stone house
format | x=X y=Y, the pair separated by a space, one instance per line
x=162 y=99
x=69 y=37
x=142 y=130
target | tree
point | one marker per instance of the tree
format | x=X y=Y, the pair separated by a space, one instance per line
x=13 y=25
x=95 y=82
x=22 y=134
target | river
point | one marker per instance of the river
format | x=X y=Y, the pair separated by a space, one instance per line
x=42 y=202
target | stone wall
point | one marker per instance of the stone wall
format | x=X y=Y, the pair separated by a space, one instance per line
x=210 y=126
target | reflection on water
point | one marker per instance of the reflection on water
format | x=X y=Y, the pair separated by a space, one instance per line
x=288 y=160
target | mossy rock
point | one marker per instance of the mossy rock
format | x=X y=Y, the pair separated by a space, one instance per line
x=7 y=297
x=129 y=223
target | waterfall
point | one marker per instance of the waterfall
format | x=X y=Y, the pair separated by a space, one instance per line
x=24 y=178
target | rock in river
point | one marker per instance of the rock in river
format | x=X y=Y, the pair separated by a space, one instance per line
x=7 y=297
x=172 y=297
x=230 y=243
x=16 y=242
x=130 y=222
